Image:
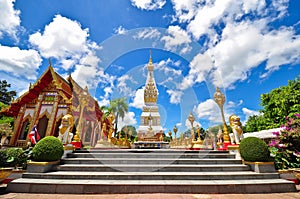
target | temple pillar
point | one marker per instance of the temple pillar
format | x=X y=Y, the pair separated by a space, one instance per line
x=36 y=111
x=17 y=126
x=51 y=123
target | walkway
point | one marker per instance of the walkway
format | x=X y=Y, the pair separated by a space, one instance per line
x=4 y=195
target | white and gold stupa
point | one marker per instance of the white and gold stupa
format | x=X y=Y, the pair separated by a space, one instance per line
x=150 y=128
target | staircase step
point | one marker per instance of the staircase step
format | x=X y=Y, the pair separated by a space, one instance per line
x=151 y=155
x=150 y=186
x=148 y=161
x=154 y=167
x=151 y=175
x=151 y=151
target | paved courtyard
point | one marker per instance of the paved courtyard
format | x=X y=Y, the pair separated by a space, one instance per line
x=5 y=195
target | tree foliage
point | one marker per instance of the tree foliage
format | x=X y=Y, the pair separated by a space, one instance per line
x=278 y=104
x=5 y=95
x=119 y=107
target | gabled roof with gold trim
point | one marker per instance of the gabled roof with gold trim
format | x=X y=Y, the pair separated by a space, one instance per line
x=68 y=89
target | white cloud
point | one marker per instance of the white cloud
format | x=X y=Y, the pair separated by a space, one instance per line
x=235 y=43
x=21 y=63
x=249 y=112
x=148 y=33
x=9 y=18
x=189 y=125
x=64 y=40
x=120 y=30
x=199 y=68
x=175 y=96
x=177 y=38
x=209 y=110
x=163 y=65
x=129 y=119
x=138 y=100
x=244 y=46
x=122 y=85
x=148 y=4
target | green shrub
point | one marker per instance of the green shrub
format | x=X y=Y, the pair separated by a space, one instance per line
x=48 y=149
x=13 y=157
x=253 y=149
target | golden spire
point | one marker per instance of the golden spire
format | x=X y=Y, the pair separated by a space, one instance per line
x=150 y=64
x=150 y=92
x=150 y=60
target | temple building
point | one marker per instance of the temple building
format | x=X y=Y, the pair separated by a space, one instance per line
x=150 y=128
x=46 y=102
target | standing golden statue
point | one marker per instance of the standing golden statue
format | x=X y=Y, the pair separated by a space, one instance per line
x=111 y=119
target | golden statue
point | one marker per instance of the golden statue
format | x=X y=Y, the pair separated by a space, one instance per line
x=237 y=130
x=110 y=118
x=103 y=130
x=65 y=129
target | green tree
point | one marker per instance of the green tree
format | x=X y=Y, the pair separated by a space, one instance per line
x=5 y=119
x=120 y=108
x=5 y=95
x=129 y=128
x=280 y=103
x=255 y=123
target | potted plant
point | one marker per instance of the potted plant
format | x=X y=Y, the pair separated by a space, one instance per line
x=45 y=155
x=256 y=154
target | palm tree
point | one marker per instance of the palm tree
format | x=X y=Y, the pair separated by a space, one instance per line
x=119 y=107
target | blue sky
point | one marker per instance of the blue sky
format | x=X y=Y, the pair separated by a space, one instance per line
x=245 y=47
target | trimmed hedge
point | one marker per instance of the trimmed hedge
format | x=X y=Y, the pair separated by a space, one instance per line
x=48 y=149
x=253 y=149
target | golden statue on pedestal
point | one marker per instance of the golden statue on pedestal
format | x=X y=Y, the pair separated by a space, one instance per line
x=65 y=129
x=237 y=130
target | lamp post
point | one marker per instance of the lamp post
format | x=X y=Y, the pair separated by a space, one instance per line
x=220 y=100
x=191 y=118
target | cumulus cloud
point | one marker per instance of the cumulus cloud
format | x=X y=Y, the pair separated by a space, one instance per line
x=209 y=110
x=65 y=40
x=129 y=119
x=123 y=86
x=148 y=4
x=189 y=125
x=21 y=63
x=175 y=96
x=178 y=39
x=235 y=42
x=9 y=18
x=138 y=100
x=199 y=69
x=249 y=112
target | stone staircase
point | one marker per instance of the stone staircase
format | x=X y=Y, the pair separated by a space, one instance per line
x=150 y=171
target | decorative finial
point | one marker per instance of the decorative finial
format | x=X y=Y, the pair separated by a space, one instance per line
x=150 y=60
x=49 y=61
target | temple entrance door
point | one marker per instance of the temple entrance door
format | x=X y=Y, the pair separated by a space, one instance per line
x=42 y=126
x=24 y=130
